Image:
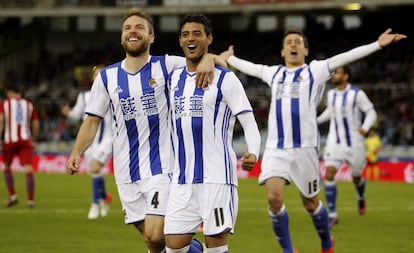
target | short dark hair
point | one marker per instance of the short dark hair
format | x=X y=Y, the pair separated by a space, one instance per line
x=16 y=88
x=347 y=70
x=298 y=32
x=136 y=11
x=197 y=18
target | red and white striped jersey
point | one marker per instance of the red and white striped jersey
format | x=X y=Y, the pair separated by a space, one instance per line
x=18 y=114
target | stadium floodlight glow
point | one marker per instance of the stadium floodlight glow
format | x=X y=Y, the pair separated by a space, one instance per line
x=352 y=7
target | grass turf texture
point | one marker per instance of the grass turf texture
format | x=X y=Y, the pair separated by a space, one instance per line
x=59 y=221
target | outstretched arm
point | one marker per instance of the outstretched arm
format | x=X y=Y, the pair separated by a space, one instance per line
x=357 y=53
x=244 y=66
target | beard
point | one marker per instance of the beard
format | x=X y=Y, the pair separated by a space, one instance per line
x=136 y=51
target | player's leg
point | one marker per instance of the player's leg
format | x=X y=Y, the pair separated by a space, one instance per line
x=334 y=157
x=8 y=154
x=278 y=213
x=319 y=216
x=9 y=180
x=182 y=220
x=134 y=203
x=26 y=158
x=154 y=233
x=219 y=207
x=305 y=173
x=182 y=243
x=331 y=192
x=157 y=190
x=357 y=164
x=217 y=243
x=93 y=212
x=275 y=167
x=100 y=196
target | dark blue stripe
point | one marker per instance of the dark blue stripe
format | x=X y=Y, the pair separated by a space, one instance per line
x=295 y=109
x=345 y=120
x=181 y=147
x=197 y=129
x=131 y=128
x=311 y=83
x=101 y=130
x=105 y=83
x=153 y=120
x=224 y=132
x=219 y=97
x=279 y=118
x=335 y=122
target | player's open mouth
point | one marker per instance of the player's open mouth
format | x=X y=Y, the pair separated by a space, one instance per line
x=132 y=39
x=293 y=53
x=192 y=48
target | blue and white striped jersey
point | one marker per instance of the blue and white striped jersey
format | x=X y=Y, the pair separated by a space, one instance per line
x=347 y=110
x=139 y=104
x=203 y=122
x=296 y=93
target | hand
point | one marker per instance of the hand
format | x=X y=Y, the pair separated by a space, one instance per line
x=205 y=70
x=226 y=54
x=72 y=164
x=248 y=161
x=65 y=110
x=362 y=131
x=387 y=38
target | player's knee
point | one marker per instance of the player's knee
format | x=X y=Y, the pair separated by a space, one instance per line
x=156 y=240
x=330 y=173
x=275 y=201
x=311 y=204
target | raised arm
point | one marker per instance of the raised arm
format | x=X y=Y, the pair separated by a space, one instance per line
x=244 y=66
x=360 y=52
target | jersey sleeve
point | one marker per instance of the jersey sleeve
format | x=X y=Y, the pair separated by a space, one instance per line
x=353 y=55
x=173 y=62
x=366 y=106
x=260 y=71
x=99 y=99
x=78 y=109
x=234 y=94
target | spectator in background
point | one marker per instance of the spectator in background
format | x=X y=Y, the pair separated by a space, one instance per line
x=373 y=145
x=351 y=115
x=97 y=154
x=19 y=121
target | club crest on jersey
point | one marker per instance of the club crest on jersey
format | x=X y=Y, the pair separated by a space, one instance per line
x=152 y=82
x=118 y=90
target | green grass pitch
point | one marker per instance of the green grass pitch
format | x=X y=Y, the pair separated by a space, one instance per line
x=59 y=221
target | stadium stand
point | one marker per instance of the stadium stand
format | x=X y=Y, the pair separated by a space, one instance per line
x=47 y=54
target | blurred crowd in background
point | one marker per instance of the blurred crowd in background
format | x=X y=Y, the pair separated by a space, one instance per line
x=53 y=79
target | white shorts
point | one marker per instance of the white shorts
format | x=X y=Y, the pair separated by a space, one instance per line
x=335 y=156
x=300 y=165
x=148 y=196
x=216 y=205
x=98 y=152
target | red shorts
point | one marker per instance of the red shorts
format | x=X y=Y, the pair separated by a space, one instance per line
x=23 y=150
